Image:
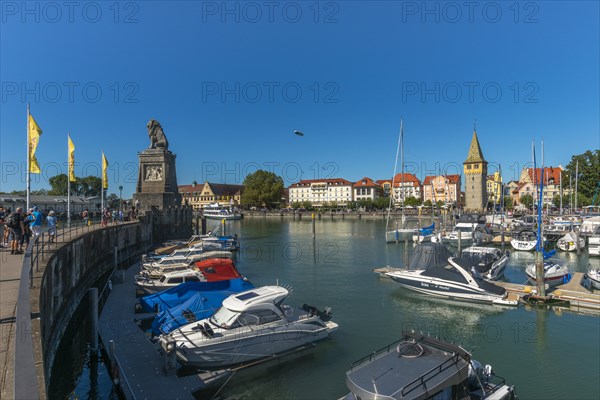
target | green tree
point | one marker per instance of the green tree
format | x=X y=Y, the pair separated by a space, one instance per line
x=58 y=185
x=351 y=205
x=112 y=201
x=262 y=189
x=427 y=203
x=589 y=174
x=381 y=203
x=296 y=205
x=412 y=201
x=526 y=200
x=508 y=203
x=89 y=186
x=307 y=205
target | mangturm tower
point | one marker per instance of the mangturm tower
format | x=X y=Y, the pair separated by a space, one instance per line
x=475 y=168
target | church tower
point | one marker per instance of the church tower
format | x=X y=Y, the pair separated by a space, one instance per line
x=475 y=169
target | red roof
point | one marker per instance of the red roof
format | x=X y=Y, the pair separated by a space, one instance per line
x=333 y=181
x=366 y=182
x=190 y=188
x=549 y=174
x=450 y=178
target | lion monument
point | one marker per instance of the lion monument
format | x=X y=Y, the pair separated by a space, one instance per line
x=158 y=139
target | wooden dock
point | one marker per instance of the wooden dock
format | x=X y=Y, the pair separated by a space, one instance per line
x=137 y=363
x=578 y=296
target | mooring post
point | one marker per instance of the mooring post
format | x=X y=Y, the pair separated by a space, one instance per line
x=539 y=274
x=459 y=243
x=93 y=297
x=223 y=223
x=203 y=225
x=116 y=254
x=197 y=224
x=397 y=234
x=313 y=225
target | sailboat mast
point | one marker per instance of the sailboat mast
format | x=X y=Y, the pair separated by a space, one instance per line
x=387 y=222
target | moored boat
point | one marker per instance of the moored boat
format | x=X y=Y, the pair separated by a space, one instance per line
x=215 y=211
x=485 y=262
x=249 y=326
x=570 y=242
x=420 y=367
x=433 y=270
x=593 y=276
x=594 y=243
x=525 y=240
x=554 y=273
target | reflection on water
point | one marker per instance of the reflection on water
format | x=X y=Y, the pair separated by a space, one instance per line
x=527 y=346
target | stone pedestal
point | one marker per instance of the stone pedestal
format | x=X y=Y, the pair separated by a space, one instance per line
x=157 y=181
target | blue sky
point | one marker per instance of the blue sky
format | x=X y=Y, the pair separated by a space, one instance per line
x=230 y=82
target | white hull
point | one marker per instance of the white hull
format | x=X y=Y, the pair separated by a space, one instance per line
x=225 y=217
x=594 y=245
x=247 y=344
x=523 y=245
x=594 y=278
x=567 y=245
x=412 y=280
x=422 y=238
x=556 y=276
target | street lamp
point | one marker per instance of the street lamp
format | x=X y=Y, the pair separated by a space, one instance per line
x=121 y=198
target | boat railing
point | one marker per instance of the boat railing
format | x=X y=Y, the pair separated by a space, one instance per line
x=374 y=354
x=432 y=373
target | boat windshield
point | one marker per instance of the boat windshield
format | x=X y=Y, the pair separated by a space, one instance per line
x=224 y=317
x=463 y=229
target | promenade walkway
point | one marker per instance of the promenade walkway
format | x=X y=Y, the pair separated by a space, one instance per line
x=10 y=280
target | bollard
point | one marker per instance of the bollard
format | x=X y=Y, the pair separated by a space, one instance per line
x=93 y=297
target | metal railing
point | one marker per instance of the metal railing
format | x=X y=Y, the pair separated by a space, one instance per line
x=40 y=248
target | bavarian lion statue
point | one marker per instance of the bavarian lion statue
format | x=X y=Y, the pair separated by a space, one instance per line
x=158 y=139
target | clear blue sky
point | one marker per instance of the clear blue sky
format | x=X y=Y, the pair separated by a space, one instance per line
x=225 y=85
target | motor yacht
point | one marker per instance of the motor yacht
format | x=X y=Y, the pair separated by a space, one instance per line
x=554 y=273
x=433 y=270
x=420 y=367
x=249 y=326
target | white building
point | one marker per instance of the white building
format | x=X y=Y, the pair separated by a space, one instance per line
x=366 y=188
x=319 y=191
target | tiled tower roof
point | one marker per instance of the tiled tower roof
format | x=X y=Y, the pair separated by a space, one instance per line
x=475 y=154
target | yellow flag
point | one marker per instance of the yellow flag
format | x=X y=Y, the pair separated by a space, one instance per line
x=33 y=138
x=104 y=176
x=71 y=160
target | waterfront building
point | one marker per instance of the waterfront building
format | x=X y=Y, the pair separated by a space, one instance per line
x=475 y=170
x=444 y=188
x=522 y=189
x=366 y=188
x=405 y=185
x=552 y=176
x=320 y=191
x=494 y=187
x=48 y=203
x=509 y=187
x=198 y=196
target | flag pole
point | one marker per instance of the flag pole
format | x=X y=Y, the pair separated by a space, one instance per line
x=102 y=187
x=68 y=183
x=28 y=176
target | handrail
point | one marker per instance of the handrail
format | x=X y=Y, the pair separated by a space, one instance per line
x=25 y=378
x=453 y=360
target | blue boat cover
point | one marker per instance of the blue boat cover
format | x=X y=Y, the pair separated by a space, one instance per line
x=427 y=230
x=202 y=304
x=174 y=296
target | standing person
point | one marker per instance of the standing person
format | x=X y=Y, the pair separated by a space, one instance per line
x=27 y=221
x=7 y=212
x=3 y=227
x=104 y=216
x=15 y=223
x=86 y=216
x=51 y=223
x=36 y=223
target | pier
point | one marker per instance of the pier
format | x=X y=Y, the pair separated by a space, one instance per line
x=138 y=364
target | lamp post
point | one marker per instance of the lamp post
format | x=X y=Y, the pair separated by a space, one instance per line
x=121 y=198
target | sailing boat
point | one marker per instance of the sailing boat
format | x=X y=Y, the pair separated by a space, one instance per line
x=401 y=234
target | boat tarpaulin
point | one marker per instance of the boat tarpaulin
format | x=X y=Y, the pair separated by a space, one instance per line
x=429 y=255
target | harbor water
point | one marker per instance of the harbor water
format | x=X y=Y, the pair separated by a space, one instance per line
x=545 y=354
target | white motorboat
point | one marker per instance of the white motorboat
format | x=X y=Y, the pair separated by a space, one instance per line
x=174 y=262
x=433 y=270
x=554 y=273
x=593 y=277
x=470 y=228
x=249 y=326
x=421 y=367
x=400 y=235
x=215 y=211
x=589 y=226
x=168 y=280
x=524 y=240
x=594 y=243
x=570 y=242
x=485 y=262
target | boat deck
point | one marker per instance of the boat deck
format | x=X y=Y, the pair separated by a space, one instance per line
x=140 y=364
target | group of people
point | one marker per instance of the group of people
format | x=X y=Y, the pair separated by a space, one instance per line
x=18 y=227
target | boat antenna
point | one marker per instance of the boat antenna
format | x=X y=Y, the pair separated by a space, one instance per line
x=387 y=222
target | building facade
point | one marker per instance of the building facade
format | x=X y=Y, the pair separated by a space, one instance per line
x=365 y=189
x=444 y=188
x=318 y=192
x=475 y=171
x=552 y=182
x=198 y=196
x=494 y=187
x=404 y=186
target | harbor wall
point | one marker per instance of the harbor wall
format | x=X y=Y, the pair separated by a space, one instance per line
x=78 y=264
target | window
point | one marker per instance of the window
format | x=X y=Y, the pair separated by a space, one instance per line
x=176 y=280
x=192 y=278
